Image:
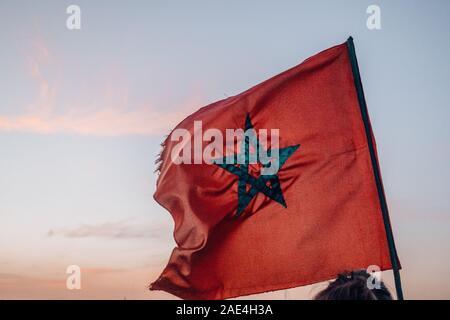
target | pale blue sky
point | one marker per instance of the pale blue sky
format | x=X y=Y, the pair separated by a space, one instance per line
x=68 y=162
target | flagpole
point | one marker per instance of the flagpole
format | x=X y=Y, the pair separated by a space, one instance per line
x=375 y=167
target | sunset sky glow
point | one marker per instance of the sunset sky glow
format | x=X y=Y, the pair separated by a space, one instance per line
x=83 y=113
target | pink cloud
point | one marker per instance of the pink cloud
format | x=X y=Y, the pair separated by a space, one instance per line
x=109 y=113
x=106 y=122
x=124 y=229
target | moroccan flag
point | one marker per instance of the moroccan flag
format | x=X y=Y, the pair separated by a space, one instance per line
x=239 y=231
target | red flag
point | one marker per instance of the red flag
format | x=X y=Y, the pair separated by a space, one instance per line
x=241 y=232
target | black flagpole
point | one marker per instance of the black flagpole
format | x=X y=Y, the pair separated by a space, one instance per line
x=375 y=167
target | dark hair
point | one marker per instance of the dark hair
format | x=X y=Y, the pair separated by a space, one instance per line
x=353 y=286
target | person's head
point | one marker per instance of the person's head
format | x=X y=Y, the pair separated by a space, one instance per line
x=353 y=286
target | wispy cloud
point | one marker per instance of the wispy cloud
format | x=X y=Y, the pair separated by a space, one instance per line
x=102 y=123
x=103 y=270
x=103 y=116
x=9 y=276
x=14 y=279
x=114 y=230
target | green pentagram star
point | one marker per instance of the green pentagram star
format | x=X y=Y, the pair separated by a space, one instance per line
x=269 y=185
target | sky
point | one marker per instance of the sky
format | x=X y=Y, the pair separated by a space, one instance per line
x=83 y=113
